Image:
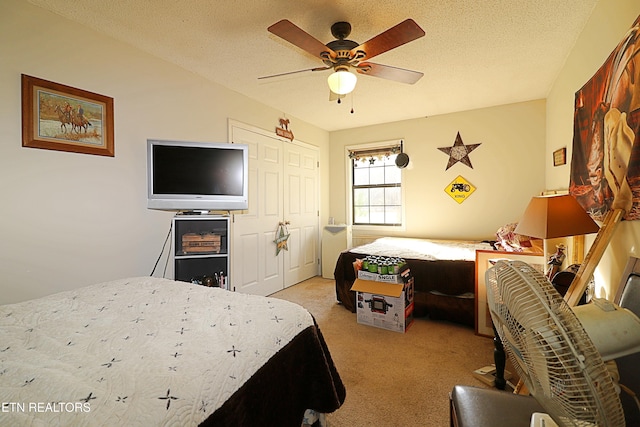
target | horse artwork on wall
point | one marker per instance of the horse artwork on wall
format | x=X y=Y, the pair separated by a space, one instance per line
x=65 y=118
x=605 y=163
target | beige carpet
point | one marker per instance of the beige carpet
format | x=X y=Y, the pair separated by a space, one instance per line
x=392 y=379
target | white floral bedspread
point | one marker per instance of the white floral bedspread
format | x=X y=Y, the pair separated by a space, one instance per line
x=423 y=249
x=142 y=351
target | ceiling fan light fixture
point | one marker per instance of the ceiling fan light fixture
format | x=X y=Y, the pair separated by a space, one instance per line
x=342 y=81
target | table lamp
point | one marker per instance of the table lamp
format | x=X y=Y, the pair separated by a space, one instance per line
x=552 y=217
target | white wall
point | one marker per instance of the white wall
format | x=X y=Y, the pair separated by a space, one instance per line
x=508 y=168
x=609 y=22
x=66 y=219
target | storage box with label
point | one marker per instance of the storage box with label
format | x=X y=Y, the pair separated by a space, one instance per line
x=385 y=305
x=200 y=243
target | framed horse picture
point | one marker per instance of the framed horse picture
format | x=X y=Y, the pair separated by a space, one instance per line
x=64 y=118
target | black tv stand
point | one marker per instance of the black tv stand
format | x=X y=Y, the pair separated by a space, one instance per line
x=201 y=249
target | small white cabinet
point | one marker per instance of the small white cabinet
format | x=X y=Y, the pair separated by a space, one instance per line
x=335 y=239
x=201 y=249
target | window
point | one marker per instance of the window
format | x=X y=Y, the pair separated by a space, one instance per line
x=376 y=186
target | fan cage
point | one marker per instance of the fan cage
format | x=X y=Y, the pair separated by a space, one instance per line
x=549 y=348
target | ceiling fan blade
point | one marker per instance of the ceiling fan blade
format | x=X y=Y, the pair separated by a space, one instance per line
x=294 y=72
x=288 y=31
x=390 y=73
x=402 y=33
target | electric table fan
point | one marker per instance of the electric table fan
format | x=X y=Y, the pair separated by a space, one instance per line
x=558 y=351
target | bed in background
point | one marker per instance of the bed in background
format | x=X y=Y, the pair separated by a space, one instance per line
x=444 y=273
x=149 y=351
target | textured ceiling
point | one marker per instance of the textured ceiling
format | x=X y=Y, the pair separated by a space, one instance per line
x=476 y=53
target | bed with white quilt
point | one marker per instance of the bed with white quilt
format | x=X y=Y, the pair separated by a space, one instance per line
x=154 y=352
x=444 y=273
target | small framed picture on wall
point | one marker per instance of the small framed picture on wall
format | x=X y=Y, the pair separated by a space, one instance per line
x=560 y=157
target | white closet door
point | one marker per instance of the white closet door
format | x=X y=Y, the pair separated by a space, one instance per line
x=283 y=187
x=256 y=267
x=301 y=212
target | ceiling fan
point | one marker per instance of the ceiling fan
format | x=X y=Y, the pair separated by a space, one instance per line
x=343 y=55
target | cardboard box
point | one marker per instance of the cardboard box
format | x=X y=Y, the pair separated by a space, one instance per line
x=385 y=305
x=488 y=375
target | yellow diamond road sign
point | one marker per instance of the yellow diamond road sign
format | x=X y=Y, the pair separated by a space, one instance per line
x=459 y=189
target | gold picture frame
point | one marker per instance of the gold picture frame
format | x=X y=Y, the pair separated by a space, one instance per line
x=484 y=260
x=64 y=118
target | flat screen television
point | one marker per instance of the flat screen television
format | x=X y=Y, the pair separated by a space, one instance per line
x=197 y=176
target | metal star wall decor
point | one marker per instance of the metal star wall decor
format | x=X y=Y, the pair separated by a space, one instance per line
x=282 y=235
x=459 y=152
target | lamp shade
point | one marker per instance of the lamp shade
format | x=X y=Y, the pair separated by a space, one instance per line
x=342 y=82
x=550 y=217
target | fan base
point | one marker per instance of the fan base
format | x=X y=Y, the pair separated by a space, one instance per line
x=539 y=419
